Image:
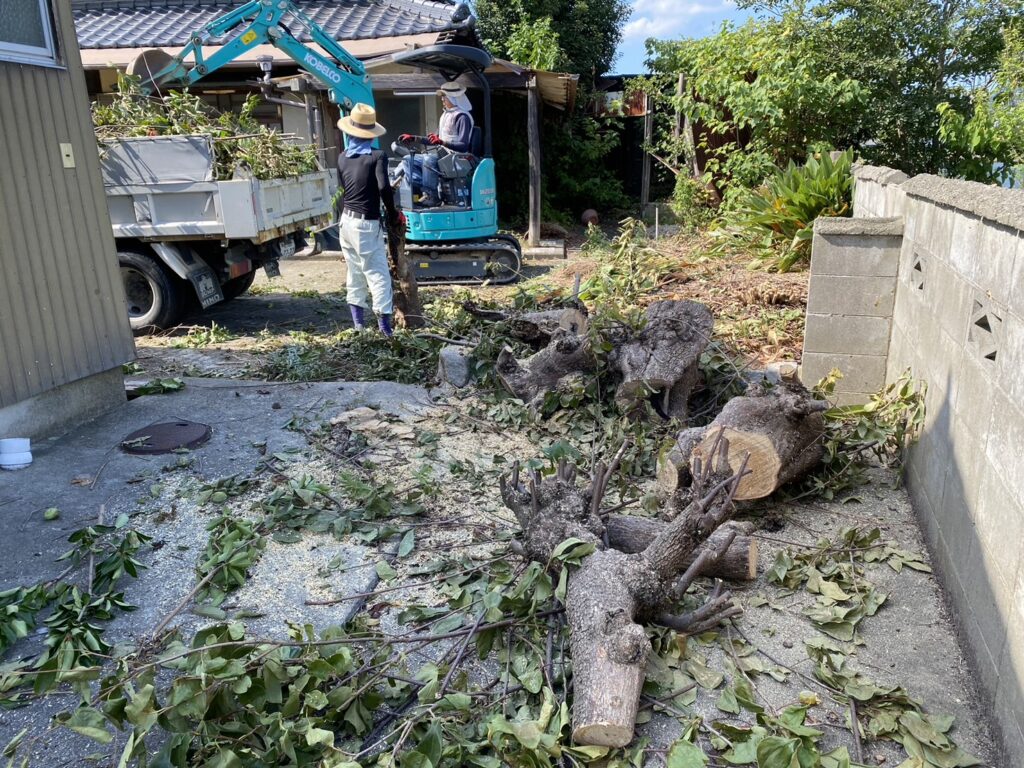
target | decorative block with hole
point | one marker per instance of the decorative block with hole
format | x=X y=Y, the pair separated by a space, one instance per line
x=984 y=335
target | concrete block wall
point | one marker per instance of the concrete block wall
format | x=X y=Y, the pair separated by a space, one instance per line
x=849 y=311
x=958 y=324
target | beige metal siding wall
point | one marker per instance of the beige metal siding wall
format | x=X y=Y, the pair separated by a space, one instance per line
x=62 y=314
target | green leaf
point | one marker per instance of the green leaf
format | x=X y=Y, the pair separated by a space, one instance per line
x=405 y=546
x=89 y=722
x=727 y=702
x=777 y=752
x=684 y=754
x=385 y=571
x=319 y=736
x=430 y=745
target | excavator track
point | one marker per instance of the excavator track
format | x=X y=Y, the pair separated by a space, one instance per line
x=498 y=259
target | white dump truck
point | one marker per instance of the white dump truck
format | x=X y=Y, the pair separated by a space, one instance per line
x=183 y=237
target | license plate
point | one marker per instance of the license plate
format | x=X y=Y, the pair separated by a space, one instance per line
x=286 y=247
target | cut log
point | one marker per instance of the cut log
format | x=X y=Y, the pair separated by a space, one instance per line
x=567 y=356
x=408 y=308
x=738 y=562
x=535 y=328
x=673 y=471
x=780 y=428
x=660 y=363
x=612 y=590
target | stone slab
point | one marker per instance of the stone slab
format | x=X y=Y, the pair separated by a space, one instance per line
x=851 y=295
x=856 y=255
x=861 y=373
x=849 y=334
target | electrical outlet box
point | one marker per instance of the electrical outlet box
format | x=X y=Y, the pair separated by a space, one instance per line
x=67 y=155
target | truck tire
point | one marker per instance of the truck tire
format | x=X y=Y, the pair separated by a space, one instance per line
x=152 y=292
x=236 y=286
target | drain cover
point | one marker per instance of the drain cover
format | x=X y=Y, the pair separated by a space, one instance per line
x=166 y=437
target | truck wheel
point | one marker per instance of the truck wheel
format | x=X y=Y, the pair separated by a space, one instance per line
x=236 y=286
x=153 y=294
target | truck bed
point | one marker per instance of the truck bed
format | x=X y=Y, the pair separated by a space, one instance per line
x=163 y=188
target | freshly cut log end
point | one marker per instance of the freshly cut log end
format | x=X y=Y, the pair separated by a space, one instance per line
x=603 y=734
x=780 y=428
x=764 y=466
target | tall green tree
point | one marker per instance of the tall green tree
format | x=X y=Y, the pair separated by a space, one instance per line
x=989 y=140
x=909 y=56
x=587 y=32
x=759 y=96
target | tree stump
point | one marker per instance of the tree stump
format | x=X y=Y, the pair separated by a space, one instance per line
x=660 y=363
x=567 y=356
x=780 y=427
x=612 y=590
x=407 y=306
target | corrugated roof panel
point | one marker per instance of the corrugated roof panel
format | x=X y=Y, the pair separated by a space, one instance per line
x=168 y=23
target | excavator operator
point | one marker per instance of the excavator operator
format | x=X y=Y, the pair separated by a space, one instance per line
x=456 y=134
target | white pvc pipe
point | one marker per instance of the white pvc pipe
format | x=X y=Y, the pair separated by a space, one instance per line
x=15 y=452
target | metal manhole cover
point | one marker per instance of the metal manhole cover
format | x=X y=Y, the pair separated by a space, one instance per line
x=166 y=437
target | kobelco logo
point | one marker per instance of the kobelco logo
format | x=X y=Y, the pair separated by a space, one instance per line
x=322 y=68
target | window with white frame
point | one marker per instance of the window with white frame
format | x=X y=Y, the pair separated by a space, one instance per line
x=26 y=34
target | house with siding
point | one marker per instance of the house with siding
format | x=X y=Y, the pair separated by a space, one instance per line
x=63 y=326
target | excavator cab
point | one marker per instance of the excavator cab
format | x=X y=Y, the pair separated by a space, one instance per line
x=454 y=237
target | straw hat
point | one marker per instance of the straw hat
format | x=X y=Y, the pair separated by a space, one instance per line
x=451 y=90
x=362 y=123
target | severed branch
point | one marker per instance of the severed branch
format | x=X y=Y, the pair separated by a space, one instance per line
x=613 y=590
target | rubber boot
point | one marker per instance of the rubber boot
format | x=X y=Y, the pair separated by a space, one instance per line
x=358 y=317
x=384 y=323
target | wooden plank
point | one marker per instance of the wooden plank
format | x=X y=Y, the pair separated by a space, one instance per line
x=533 y=139
x=645 y=182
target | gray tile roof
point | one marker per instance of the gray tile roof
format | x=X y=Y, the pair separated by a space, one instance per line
x=159 y=23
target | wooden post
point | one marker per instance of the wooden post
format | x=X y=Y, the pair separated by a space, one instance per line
x=533 y=137
x=687 y=128
x=645 y=178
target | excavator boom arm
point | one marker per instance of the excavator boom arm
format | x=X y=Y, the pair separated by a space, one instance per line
x=343 y=74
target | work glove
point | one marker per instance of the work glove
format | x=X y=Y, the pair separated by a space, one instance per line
x=434 y=139
x=405 y=138
x=401 y=222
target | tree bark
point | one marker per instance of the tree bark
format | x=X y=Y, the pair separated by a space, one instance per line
x=567 y=356
x=612 y=590
x=738 y=562
x=660 y=363
x=673 y=471
x=534 y=328
x=408 y=308
x=780 y=427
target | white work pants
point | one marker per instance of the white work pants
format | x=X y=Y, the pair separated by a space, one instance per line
x=366 y=260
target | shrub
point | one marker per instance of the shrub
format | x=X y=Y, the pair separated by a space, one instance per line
x=692 y=203
x=780 y=214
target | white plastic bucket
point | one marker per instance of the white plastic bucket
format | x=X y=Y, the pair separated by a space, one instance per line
x=15 y=452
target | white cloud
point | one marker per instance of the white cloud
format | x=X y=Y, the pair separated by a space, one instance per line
x=667 y=18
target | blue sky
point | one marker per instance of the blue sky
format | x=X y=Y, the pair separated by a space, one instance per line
x=669 y=19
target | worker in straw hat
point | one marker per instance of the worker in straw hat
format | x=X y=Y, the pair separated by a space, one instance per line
x=363 y=177
x=455 y=132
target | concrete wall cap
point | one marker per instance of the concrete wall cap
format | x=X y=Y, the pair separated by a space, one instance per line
x=878 y=226
x=878 y=173
x=996 y=204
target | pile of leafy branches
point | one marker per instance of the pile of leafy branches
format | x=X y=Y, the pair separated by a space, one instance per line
x=858 y=437
x=72 y=612
x=242 y=145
